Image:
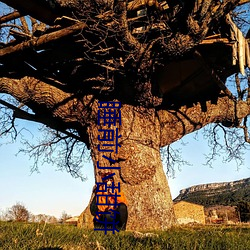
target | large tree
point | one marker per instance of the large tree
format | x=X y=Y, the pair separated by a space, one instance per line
x=166 y=62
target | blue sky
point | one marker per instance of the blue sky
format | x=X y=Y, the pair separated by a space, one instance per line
x=48 y=192
x=52 y=192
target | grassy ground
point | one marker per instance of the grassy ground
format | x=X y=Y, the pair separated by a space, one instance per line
x=39 y=236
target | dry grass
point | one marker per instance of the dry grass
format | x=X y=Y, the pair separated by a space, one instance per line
x=34 y=236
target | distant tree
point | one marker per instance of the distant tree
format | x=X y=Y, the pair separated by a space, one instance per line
x=1 y=215
x=52 y=219
x=243 y=209
x=64 y=217
x=39 y=218
x=4 y=215
x=42 y=218
x=18 y=212
x=32 y=218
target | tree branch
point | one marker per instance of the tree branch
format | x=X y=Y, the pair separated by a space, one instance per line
x=176 y=124
x=55 y=108
x=41 y=10
x=21 y=114
x=241 y=2
x=44 y=39
x=18 y=113
x=9 y=17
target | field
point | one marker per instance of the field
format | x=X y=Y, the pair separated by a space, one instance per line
x=20 y=236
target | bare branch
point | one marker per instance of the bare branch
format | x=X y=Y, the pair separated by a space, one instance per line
x=9 y=17
x=227 y=144
x=172 y=159
x=18 y=113
x=19 y=35
x=44 y=39
x=245 y=128
x=237 y=81
x=65 y=152
x=40 y=10
x=7 y=122
x=24 y=25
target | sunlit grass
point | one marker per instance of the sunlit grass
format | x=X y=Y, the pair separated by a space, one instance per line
x=39 y=236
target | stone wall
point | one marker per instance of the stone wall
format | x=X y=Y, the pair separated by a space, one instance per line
x=186 y=212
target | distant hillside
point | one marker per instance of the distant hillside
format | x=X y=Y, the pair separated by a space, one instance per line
x=225 y=193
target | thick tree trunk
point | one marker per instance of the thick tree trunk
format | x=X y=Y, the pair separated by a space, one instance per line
x=141 y=175
x=150 y=202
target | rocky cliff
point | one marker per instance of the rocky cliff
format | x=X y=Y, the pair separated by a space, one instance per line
x=225 y=193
